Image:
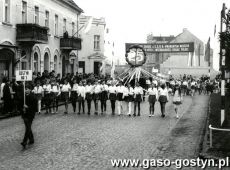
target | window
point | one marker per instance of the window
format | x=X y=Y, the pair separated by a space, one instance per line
x=7 y=11
x=24 y=12
x=64 y=25
x=96 y=42
x=47 y=19
x=36 y=15
x=73 y=28
x=56 y=25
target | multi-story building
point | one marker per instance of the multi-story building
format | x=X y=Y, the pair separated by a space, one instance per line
x=178 y=61
x=93 y=35
x=31 y=31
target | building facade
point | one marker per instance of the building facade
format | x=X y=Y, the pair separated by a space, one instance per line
x=32 y=36
x=91 y=56
x=177 y=63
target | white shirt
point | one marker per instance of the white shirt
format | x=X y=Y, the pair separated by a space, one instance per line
x=155 y=82
x=65 y=87
x=75 y=87
x=120 y=89
x=47 y=88
x=104 y=87
x=138 y=90
x=128 y=91
x=38 y=90
x=88 y=89
x=97 y=89
x=153 y=91
x=81 y=91
x=112 y=89
x=55 y=88
x=2 y=86
x=163 y=92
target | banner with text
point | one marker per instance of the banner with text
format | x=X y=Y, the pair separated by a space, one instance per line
x=164 y=47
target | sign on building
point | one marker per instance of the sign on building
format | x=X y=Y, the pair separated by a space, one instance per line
x=23 y=75
x=165 y=47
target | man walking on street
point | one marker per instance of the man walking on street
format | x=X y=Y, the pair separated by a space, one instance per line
x=28 y=111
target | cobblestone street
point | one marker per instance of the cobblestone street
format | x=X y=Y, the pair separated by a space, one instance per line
x=90 y=142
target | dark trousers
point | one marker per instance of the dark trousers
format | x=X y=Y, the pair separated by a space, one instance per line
x=162 y=107
x=89 y=105
x=81 y=103
x=103 y=106
x=113 y=106
x=55 y=103
x=74 y=104
x=137 y=105
x=28 y=131
x=151 y=107
x=96 y=106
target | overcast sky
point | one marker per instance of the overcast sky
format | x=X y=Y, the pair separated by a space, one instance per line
x=132 y=20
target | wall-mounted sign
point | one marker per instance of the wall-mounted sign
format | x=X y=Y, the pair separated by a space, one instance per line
x=135 y=55
x=23 y=75
x=165 y=47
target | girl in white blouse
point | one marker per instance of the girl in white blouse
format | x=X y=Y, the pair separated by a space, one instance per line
x=81 y=97
x=74 y=95
x=55 y=88
x=65 y=90
x=38 y=90
x=177 y=98
x=112 y=96
x=128 y=98
x=47 y=96
x=153 y=96
x=163 y=98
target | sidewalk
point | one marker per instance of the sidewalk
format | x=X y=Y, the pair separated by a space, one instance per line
x=5 y=116
x=221 y=146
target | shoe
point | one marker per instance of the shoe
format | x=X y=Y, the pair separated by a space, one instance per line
x=134 y=114
x=95 y=113
x=102 y=113
x=150 y=115
x=23 y=145
x=52 y=112
x=177 y=116
x=31 y=143
x=163 y=115
x=88 y=113
x=78 y=113
x=129 y=115
x=139 y=115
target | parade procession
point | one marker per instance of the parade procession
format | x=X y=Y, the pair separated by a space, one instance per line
x=108 y=87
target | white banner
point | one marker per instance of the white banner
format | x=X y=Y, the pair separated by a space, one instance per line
x=23 y=75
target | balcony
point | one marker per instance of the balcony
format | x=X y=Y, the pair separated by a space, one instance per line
x=32 y=33
x=70 y=43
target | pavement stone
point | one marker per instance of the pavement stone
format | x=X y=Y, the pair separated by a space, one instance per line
x=89 y=142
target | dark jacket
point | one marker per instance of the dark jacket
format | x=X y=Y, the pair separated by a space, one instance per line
x=31 y=102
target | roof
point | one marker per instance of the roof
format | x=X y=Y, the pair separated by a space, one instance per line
x=72 y=4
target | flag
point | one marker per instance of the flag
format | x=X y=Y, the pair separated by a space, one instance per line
x=88 y=25
x=207 y=51
x=215 y=30
x=19 y=60
x=113 y=69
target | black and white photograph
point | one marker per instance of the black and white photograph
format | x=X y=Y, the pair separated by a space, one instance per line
x=114 y=84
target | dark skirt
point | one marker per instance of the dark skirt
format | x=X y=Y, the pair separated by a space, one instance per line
x=104 y=95
x=38 y=96
x=129 y=98
x=65 y=96
x=119 y=96
x=47 y=98
x=177 y=102
x=152 y=98
x=193 y=87
x=96 y=96
x=89 y=96
x=138 y=98
x=74 y=95
x=55 y=95
x=112 y=96
x=80 y=98
x=163 y=99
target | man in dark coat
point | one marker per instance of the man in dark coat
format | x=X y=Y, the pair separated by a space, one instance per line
x=7 y=98
x=28 y=114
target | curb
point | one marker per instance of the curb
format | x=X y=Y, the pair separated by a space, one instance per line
x=204 y=137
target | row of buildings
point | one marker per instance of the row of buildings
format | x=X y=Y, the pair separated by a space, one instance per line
x=164 y=56
x=41 y=35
